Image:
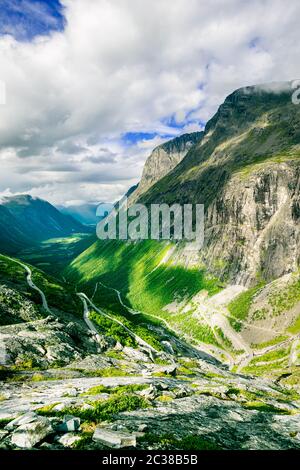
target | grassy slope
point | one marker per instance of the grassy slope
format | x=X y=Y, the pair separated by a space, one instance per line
x=58 y=294
x=279 y=301
x=146 y=284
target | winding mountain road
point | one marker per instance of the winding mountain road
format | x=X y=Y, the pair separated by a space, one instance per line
x=294 y=353
x=89 y=322
x=220 y=321
x=115 y=320
x=211 y=350
x=32 y=285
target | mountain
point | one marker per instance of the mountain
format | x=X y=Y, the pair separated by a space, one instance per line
x=25 y=220
x=86 y=213
x=245 y=171
x=238 y=298
x=163 y=159
x=83 y=213
x=131 y=190
x=12 y=237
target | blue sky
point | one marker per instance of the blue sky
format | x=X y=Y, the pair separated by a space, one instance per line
x=92 y=86
x=132 y=138
x=26 y=19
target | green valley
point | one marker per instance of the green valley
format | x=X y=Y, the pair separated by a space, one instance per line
x=156 y=343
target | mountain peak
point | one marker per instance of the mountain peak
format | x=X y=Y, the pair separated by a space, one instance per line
x=163 y=159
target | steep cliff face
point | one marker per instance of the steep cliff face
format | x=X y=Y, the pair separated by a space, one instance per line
x=253 y=226
x=245 y=170
x=163 y=159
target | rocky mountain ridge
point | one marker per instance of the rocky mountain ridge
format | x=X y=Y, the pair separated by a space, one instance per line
x=163 y=159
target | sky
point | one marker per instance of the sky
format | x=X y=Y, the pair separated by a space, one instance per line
x=92 y=86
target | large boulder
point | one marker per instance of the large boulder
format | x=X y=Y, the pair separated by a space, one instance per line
x=135 y=354
x=31 y=433
x=150 y=393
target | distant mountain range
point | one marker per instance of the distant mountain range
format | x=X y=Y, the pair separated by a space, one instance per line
x=25 y=220
x=83 y=213
x=86 y=213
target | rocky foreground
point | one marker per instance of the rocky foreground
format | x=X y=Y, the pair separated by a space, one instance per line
x=190 y=405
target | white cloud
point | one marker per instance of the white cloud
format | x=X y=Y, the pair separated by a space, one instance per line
x=127 y=66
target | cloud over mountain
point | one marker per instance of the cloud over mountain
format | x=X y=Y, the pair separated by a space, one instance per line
x=75 y=94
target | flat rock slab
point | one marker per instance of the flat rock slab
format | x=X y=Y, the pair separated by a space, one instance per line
x=34 y=395
x=21 y=420
x=114 y=439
